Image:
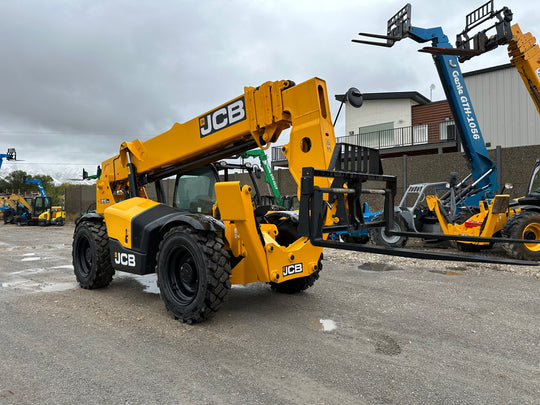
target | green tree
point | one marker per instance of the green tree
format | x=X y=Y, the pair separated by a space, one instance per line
x=16 y=182
x=4 y=186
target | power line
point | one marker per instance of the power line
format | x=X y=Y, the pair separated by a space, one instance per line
x=24 y=162
x=91 y=133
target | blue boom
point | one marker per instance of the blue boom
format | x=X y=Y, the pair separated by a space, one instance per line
x=10 y=155
x=483 y=169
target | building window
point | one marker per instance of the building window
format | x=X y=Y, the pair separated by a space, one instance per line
x=377 y=136
x=420 y=134
x=447 y=131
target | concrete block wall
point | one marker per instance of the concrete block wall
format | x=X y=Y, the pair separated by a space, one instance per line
x=516 y=166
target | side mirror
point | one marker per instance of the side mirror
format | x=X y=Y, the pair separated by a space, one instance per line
x=453 y=179
x=354 y=97
x=507 y=186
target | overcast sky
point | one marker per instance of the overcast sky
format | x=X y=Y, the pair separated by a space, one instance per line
x=80 y=77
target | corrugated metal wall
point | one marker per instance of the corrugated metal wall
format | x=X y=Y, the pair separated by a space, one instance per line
x=503 y=106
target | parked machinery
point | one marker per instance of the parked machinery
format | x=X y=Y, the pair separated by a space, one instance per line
x=523 y=51
x=31 y=211
x=7 y=209
x=212 y=236
x=515 y=219
x=49 y=215
x=10 y=155
x=482 y=181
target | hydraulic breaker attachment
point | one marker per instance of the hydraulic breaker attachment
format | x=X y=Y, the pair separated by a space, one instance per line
x=325 y=210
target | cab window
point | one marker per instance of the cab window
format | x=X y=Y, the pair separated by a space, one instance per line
x=194 y=190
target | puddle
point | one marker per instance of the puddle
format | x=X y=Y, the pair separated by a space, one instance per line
x=57 y=287
x=376 y=267
x=21 y=284
x=32 y=259
x=64 y=266
x=446 y=272
x=29 y=285
x=13 y=284
x=148 y=281
x=27 y=271
x=385 y=344
x=325 y=325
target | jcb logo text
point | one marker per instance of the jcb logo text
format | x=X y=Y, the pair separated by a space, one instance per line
x=292 y=269
x=222 y=117
x=125 y=259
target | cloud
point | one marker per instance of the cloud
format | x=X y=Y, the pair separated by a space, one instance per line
x=80 y=77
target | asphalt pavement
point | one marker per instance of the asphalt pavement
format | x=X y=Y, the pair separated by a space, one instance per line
x=373 y=330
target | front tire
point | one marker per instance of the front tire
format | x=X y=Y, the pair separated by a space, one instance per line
x=379 y=237
x=523 y=225
x=91 y=259
x=193 y=273
x=9 y=216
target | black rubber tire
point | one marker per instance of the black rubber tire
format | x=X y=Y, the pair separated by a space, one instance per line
x=523 y=225
x=362 y=240
x=378 y=237
x=465 y=214
x=91 y=259
x=193 y=273
x=9 y=216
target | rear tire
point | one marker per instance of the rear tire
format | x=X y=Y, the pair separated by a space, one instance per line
x=91 y=259
x=9 y=217
x=523 y=225
x=465 y=214
x=379 y=237
x=193 y=273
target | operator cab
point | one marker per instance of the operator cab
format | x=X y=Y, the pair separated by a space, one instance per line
x=534 y=183
x=39 y=204
x=194 y=190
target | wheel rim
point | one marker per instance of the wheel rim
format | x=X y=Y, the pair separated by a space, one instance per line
x=85 y=257
x=182 y=276
x=391 y=239
x=532 y=232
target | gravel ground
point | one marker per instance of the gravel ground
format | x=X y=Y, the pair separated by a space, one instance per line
x=374 y=329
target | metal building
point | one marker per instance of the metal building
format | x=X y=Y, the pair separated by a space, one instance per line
x=503 y=106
